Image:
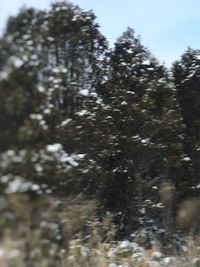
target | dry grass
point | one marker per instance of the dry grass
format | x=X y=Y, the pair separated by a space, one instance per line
x=188 y=217
x=50 y=232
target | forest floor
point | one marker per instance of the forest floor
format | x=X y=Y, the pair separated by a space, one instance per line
x=51 y=231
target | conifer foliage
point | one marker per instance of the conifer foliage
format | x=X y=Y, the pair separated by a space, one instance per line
x=186 y=73
x=77 y=117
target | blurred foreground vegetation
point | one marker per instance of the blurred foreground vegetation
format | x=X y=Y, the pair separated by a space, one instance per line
x=51 y=231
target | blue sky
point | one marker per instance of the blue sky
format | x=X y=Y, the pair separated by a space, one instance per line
x=166 y=27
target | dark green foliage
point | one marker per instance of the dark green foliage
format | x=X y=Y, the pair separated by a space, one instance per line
x=131 y=132
x=187 y=81
x=77 y=118
x=51 y=60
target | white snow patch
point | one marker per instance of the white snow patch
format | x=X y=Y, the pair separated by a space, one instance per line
x=147 y=62
x=186 y=159
x=112 y=252
x=36 y=116
x=47 y=111
x=166 y=261
x=156 y=255
x=82 y=112
x=3 y=75
x=35 y=187
x=50 y=39
x=162 y=80
x=124 y=244
x=18 y=62
x=112 y=265
x=65 y=122
x=41 y=89
x=54 y=147
x=145 y=141
x=124 y=103
x=17 y=185
x=84 y=92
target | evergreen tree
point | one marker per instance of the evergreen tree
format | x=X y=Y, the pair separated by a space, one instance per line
x=53 y=58
x=135 y=129
x=186 y=73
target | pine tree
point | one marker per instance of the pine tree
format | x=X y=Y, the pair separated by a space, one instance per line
x=135 y=129
x=186 y=74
